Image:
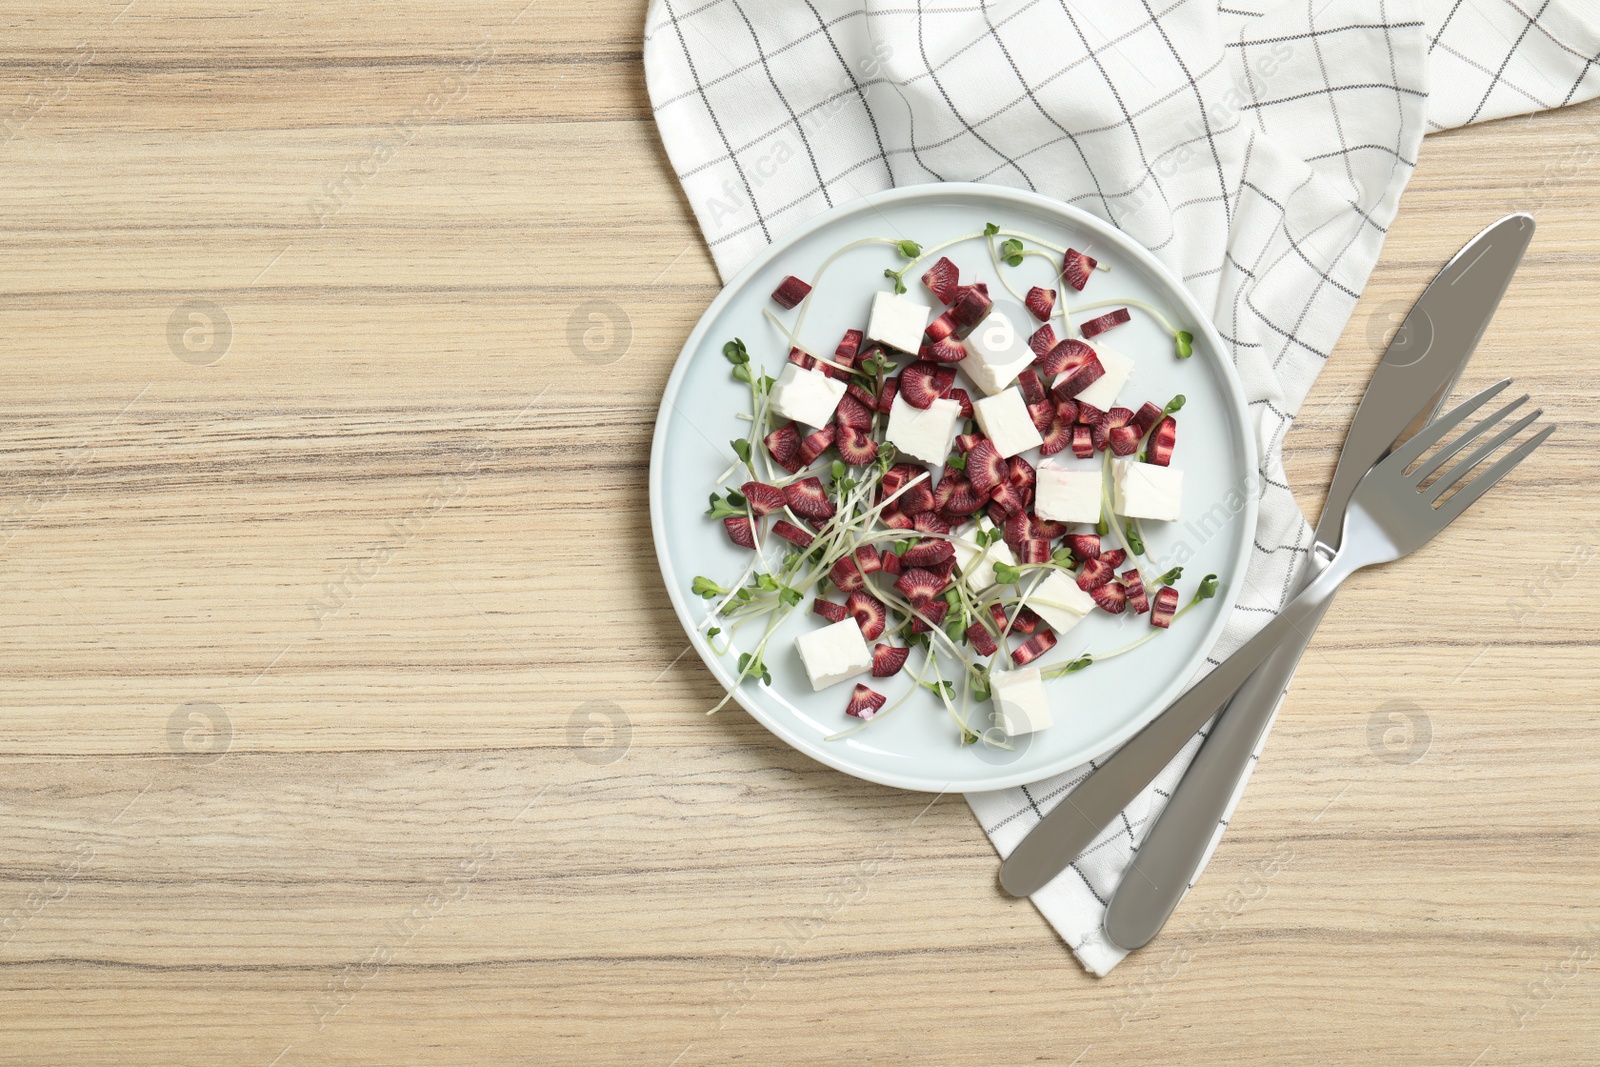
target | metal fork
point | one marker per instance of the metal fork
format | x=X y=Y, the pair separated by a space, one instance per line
x=1391 y=514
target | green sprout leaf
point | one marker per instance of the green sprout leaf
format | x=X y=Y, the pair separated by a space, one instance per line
x=741 y=373
x=957 y=462
x=705 y=587
x=735 y=352
x=1174 y=405
x=1185 y=341
x=1011 y=252
x=910 y=249
x=837 y=470
x=990 y=229
x=741 y=448
x=712 y=631
x=899 y=284
x=1101 y=528
x=1006 y=574
x=766 y=582
x=1063 y=556
x=724 y=509
x=1135 y=542
x=1170 y=577
x=1079 y=664
x=790 y=596
x=1208 y=588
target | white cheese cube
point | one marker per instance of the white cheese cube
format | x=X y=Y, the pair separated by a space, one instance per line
x=1004 y=420
x=807 y=396
x=980 y=575
x=1058 y=601
x=997 y=351
x=923 y=433
x=1103 y=392
x=1146 y=491
x=897 y=321
x=1020 y=701
x=834 y=653
x=1067 y=495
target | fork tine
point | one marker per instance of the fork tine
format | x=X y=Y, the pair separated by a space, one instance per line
x=1479 y=454
x=1438 y=459
x=1434 y=432
x=1452 y=508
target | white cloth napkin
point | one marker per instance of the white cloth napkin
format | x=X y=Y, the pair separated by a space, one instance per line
x=1258 y=148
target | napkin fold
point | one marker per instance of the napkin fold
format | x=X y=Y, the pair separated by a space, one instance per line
x=1259 y=149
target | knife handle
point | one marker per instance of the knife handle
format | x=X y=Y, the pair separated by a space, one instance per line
x=1172 y=851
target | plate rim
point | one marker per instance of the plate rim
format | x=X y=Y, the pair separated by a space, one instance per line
x=1232 y=388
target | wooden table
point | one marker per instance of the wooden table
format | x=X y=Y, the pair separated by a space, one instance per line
x=346 y=719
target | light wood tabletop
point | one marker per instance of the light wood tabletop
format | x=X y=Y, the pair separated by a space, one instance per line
x=346 y=719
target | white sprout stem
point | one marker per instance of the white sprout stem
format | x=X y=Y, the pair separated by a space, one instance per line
x=916 y=680
x=994 y=257
x=1138 y=528
x=1148 y=309
x=816 y=279
x=794 y=342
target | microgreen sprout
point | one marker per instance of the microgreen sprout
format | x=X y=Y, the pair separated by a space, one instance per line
x=1174 y=405
x=909 y=249
x=899 y=280
x=741 y=448
x=722 y=509
x=1135 y=542
x=1011 y=252
x=990 y=229
x=705 y=587
x=1185 y=343
x=1208 y=588
x=750 y=664
x=1005 y=574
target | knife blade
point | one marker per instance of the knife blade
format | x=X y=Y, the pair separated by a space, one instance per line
x=1417 y=372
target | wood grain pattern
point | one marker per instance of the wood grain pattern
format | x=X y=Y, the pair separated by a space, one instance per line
x=345 y=718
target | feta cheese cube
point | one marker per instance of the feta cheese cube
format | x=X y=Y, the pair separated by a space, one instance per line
x=1058 y=601
x=1146 y=491
x=1020 y=701
x=1067 y=495
x=980 y=576
x=924 y=434
x=997 y=351
x=807 y=396
x=897 y=321
x=1103 y=392
x=834 y=653
x=1004 y=420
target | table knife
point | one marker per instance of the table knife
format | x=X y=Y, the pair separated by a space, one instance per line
x=1415 y=376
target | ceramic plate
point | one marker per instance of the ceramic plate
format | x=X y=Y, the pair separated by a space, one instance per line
x=918 y=747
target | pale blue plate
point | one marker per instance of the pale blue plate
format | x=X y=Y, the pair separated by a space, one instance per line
x=917 y=747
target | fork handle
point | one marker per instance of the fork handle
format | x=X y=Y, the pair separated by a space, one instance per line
x=1173 y=850
x=1073 y=824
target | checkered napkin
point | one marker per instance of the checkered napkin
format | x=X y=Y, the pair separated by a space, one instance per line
x=1259 y=149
